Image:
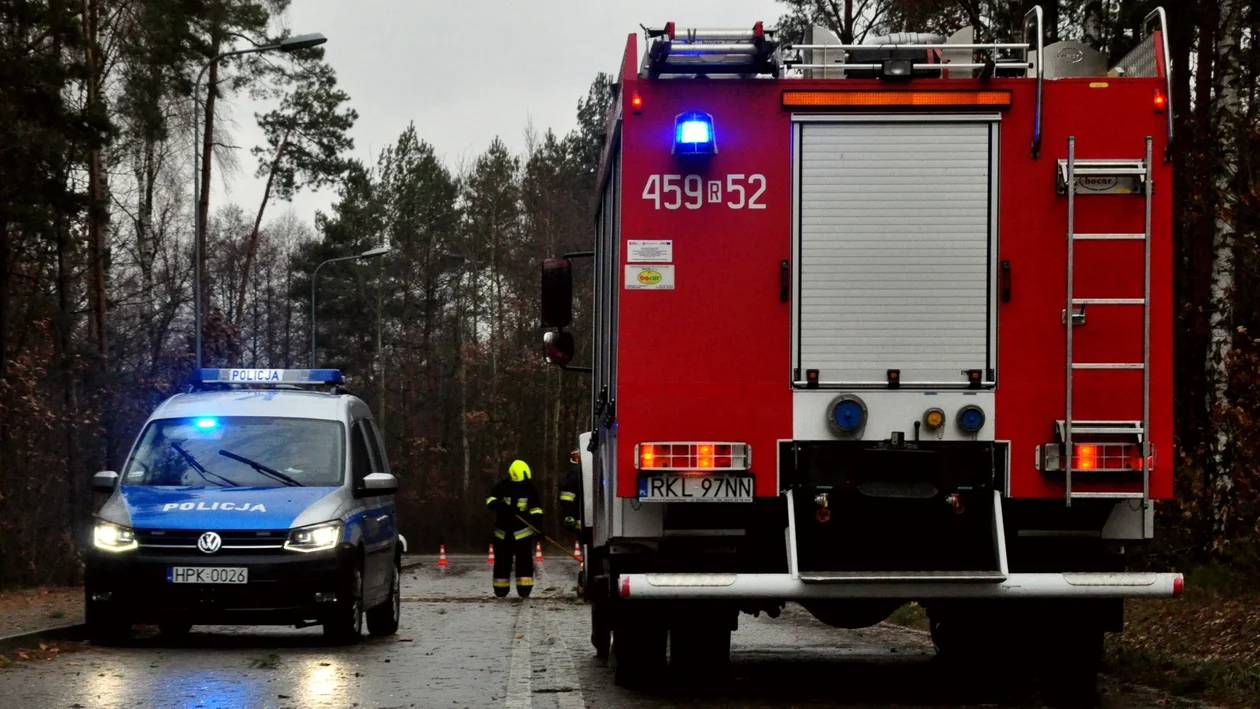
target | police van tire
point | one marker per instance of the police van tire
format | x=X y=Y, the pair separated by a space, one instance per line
x=345 y=625
x=104 y=628
x=383 y=619
x=174 y=629
x=637 y=656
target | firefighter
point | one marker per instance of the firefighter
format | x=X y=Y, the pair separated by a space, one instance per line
x=571 y=492
x=514 y=501
x=570 y=499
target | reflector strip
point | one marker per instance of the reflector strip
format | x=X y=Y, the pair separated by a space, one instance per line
x=858 y=99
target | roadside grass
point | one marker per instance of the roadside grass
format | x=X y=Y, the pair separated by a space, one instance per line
x=910 y=615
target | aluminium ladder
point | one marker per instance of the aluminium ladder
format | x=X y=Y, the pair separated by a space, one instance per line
x=1070 y=171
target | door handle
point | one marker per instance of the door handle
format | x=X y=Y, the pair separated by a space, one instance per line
x=785 y=280
x=1006 y=281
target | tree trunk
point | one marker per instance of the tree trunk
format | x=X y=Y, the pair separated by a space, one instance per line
x=380 y=348
x=253 y=236
x=1222 y=338
x=5 y=295
x=98 y=213
x=207 y=159
x=462 y=380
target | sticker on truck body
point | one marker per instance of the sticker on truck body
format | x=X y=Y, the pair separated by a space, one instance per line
x=643 y=251
x=650 y=277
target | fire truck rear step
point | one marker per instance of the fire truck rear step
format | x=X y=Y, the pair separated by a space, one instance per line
x=1131 y=584
x=1069 y=174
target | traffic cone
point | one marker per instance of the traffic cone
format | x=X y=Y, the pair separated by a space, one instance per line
x=538 y=552
x=442 y=556
x=490 y=561
x=577 y=550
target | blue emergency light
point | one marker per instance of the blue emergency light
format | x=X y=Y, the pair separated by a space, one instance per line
x=267 y=376
x=693 y=134
x=206 y=424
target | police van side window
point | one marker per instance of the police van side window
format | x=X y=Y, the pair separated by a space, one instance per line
x=360 y=463
x=379 y=463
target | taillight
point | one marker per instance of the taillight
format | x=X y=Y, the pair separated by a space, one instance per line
x=1110 y=457
x=1086 y=457
x=693 y=456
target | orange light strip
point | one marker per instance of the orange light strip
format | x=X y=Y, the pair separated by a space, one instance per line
x=860 y=99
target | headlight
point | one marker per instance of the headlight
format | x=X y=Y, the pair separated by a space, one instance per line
x=112 y=537
x=316 y=537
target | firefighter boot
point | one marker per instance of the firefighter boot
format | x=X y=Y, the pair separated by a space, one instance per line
x=502 y=567
x=524 y=559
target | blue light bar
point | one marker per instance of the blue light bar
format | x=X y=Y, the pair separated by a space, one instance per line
x=267 y=376
x=693 y=134
x=206 y=423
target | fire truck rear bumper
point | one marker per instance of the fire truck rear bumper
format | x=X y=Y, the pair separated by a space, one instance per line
x=785 y=587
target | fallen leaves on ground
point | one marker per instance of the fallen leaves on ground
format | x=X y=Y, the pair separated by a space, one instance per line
x=45 y=651
x=1205 y=642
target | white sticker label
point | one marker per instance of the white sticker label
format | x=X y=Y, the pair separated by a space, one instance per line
x=640 y=251
x=649 y=278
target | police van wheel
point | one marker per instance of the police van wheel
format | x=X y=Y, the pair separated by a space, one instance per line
x=383 y=619
x=174 y=629
x=103 y=627
x=345 y=625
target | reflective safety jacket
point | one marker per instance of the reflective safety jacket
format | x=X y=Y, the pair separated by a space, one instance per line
x=508 y=500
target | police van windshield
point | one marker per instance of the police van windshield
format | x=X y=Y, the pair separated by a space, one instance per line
x=235 y=451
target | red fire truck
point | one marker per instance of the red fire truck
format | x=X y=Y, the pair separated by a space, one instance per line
x=874 y=324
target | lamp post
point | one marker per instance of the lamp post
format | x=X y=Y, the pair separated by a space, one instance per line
x=370 y=253
x=288 y=46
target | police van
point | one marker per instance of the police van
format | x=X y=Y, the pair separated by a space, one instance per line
x=255 y=499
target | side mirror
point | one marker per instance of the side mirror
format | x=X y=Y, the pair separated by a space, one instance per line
x=379 y=484
x=559 y=347
x=104 y=481
x=557 y=293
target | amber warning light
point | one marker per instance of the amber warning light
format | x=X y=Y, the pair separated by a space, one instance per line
x=991 y=98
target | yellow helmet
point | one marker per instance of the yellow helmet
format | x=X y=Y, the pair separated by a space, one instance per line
x=518 y=471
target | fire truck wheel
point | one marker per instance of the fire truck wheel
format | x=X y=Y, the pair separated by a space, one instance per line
x=601 y=630
x=637 y=656
x=956 y=639
x=1071 y=669
x=693 y=650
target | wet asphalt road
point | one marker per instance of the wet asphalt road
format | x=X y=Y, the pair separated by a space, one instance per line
x=460 y=647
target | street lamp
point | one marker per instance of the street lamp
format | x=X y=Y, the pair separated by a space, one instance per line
x=287 y=45
x=370 y=253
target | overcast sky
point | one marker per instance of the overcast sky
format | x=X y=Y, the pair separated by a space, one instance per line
x=464 y=71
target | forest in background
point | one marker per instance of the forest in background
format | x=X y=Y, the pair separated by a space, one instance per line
x=440 y=336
